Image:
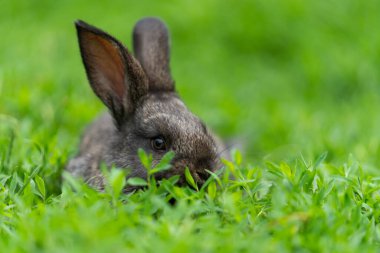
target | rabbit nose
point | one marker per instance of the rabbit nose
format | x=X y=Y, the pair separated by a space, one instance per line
x=201 y=176
x=201 y=168
x=204 y=164
x=198 y=168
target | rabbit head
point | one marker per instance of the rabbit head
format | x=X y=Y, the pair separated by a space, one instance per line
x=145 y=109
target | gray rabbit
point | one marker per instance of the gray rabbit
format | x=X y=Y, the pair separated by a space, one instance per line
x=144 y=109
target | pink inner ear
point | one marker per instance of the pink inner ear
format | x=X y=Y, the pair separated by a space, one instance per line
x=106 y=64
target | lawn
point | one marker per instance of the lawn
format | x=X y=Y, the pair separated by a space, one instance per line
x=296 y=83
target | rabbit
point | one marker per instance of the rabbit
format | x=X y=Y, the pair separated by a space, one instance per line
x=144 y=109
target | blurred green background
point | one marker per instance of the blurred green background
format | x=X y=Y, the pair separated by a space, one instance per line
x=282 y=77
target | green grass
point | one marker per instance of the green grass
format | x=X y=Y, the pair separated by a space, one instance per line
x=297 y=82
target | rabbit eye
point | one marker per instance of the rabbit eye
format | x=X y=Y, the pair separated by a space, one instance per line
x=158 y=143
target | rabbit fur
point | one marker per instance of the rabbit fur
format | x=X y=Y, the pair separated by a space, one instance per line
x=144 y=110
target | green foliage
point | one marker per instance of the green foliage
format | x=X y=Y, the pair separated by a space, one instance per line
x=313 y=207
x=296 y=82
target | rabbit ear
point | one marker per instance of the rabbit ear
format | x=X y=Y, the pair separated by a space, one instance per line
x=151 y=47
x=114 y=75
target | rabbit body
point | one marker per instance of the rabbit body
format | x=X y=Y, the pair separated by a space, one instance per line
x=144 y=109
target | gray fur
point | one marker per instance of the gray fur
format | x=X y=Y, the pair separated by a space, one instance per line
x=151 y=46
x=134 y=120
